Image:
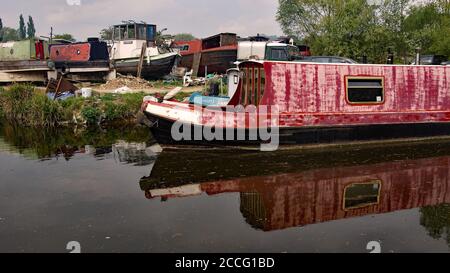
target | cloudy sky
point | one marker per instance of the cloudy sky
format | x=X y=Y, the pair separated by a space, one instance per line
x=199 y=17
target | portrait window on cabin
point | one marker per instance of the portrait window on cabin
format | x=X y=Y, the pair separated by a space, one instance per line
x=364 y=90
x=279 y=54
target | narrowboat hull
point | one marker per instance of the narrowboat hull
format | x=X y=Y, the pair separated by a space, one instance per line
x=161 y=129
x=156 y=68
x=216 y=61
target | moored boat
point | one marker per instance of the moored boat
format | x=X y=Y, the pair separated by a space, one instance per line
x=215 y=54
x=134 y=45
x=83 y=60
x=305 y=103
x=24 y=61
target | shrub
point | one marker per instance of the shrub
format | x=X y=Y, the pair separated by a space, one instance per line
x=91 y=114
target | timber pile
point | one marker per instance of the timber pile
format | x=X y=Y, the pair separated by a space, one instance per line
x=128 y=81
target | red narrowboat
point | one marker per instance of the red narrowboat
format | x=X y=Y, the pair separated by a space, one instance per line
x=304 y=103
x=90 y=56
x=215 y=54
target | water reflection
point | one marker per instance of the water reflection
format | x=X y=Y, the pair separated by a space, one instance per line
x=128 y=145
x=293 y=189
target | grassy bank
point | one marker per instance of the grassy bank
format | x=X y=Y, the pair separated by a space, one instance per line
x=22 y=104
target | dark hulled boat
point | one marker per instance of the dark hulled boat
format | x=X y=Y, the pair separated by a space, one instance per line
x=135 y=43
x=316 y=103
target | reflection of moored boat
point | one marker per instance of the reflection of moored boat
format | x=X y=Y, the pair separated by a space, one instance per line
x=347 y=188
x=133 y=43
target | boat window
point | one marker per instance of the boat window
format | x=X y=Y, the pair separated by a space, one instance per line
x=252 y=85
x=360 y=195
x=244 y=86
x=365 y=90
x=279 y=54
x=262 y=84
x=117 y=33
x=131 y=32
x=141 y=32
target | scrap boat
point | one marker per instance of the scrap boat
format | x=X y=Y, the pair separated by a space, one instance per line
x=24 y=61
x=134 y=51
x=82 y=61
x=215 y=54
x=311 y=103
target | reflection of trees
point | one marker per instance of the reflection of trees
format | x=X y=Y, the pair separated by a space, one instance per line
x=67 y=141
x=436 y=220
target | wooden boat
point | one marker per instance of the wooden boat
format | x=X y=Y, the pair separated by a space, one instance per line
x=214 y=54
x=134 y=44
x=315 y=187
x=317 y=103
x=24 y=61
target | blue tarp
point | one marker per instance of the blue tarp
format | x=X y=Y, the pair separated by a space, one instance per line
x=199 y=99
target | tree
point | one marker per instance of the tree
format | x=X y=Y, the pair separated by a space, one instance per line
x=9 y=34
x=106 y=33
x=22 y=28
x=355 y=28
x=186 y=37
x=1 y=30
x=65 y=36
x=31 y=31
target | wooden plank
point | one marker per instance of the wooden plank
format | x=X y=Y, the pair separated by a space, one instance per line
x=29 y=76
x=196 y=63
x=141 y=60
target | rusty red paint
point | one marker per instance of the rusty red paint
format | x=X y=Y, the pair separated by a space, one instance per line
x=71 y=52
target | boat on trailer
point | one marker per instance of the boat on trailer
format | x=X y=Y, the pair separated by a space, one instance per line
x=134 y=45
x=314 y=103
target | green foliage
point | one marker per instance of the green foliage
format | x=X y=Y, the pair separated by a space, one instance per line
x=106 y=33
x=91 y=115
x=1 y=30
x=436 y=220
x=354 y=29
x=65 y=36
x=185 y=37
x=20 y=104
x=31 y=31
x=22 y=28
x=9 y=34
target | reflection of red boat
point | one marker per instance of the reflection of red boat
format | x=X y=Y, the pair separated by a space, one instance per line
x=280 y=201
x=216 y=54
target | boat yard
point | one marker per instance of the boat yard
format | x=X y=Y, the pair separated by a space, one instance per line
x=222 y=127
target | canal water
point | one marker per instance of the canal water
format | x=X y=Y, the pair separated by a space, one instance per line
x=116 y=191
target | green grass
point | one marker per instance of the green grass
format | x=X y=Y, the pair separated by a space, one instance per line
x=22 y=105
